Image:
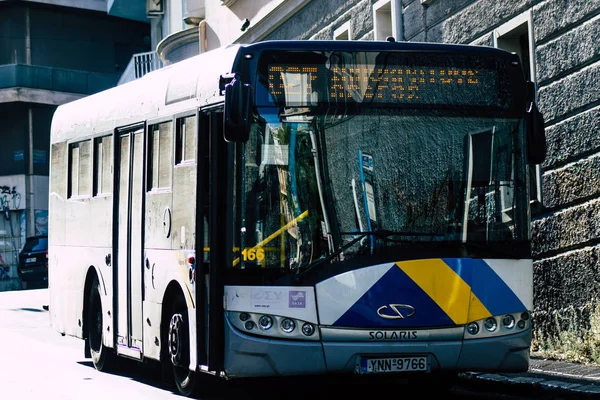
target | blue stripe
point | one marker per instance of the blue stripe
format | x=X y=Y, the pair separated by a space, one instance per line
x=492 y=291
x=462 y=267
x=394 y=287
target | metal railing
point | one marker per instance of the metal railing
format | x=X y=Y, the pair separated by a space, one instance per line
x=139 y=65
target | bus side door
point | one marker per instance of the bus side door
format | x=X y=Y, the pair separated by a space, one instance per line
x=211 y=246
x=128 y=242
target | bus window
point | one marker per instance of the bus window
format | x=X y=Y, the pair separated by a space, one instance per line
x=79 y=169
x=102 y=165
x=160 y=156
x=185 y=146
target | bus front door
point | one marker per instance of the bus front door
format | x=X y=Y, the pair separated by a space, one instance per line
x=128 y=243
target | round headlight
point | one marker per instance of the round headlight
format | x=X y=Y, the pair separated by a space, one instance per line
x=308 y=329
x=521 y=324
x=490 y=324
x=288 y=325
x=508 y=321
x=525 y=315
x=249 y=325
x=473 y=328
x=265 y=322
x=244 y=317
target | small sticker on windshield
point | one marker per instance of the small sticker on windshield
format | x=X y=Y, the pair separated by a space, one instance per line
x=297 y=299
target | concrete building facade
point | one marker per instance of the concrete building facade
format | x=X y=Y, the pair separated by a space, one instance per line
x=51 y=52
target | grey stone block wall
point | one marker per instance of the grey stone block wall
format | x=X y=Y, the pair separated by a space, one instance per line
x=577 y=47
x=552 y=17
x=477 y=20
x=572 y=139
x=566 y=228
x=361 y=23
x=567 y=96
x=312 y=20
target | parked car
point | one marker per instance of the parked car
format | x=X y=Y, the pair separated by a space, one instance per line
x=33 y=262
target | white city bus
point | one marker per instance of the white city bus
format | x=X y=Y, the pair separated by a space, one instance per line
x=300 y=207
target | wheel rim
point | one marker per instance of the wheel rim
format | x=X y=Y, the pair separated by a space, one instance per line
x=176 y=339
x=178 y=350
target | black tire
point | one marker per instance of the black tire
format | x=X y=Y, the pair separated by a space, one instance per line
x=102 y=357
x=176 y=348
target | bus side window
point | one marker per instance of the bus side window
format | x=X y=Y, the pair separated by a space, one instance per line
x=160 y=145
x=185 y=142
x=102 y=165
x=79 y=169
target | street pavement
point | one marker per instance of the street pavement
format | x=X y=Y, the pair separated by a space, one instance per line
x=38 y=363
x=547 y=379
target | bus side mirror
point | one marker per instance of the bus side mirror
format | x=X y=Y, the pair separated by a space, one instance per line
x=536 y=136
x=236 y=116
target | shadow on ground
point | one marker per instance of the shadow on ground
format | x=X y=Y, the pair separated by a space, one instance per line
x=330 y=387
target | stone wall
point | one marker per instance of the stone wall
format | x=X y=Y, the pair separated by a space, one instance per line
x=566 y=227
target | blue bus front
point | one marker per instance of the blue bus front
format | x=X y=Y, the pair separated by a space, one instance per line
x=381 y=216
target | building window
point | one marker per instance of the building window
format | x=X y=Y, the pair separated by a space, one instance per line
x=80 y=159
x=517 y=36
x=185 y=146
x=387 y=20
x=343 y=32
x=103 y=165
x=160 y=155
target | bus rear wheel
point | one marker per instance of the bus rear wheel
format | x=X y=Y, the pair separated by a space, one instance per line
x=102 y=359
x=177 y=355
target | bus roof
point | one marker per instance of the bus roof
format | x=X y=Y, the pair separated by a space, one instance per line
x=164 y=92
x=369 y=45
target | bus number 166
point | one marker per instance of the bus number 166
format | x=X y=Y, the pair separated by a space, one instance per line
x=253 y=254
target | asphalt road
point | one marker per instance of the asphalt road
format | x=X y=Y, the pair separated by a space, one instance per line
x=38 y=363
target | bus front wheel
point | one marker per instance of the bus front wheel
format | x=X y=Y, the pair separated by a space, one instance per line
x=101 y=356
x=177 y=356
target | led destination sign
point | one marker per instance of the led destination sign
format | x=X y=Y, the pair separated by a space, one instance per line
x=310 y=84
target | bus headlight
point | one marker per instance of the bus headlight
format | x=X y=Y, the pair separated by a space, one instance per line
x=273 y=326
x=508 y=321
x=308 y=329
x=265 y=322
x=473 y=328
x=490 y=324
x=498 y=325
x=288 y=325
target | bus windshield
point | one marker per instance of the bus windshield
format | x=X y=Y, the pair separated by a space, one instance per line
x=313 y=182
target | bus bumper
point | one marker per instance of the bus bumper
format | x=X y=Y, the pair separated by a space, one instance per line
x=499 y=354
x=250 y=356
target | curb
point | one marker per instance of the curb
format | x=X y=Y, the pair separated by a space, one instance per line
x=533 y=384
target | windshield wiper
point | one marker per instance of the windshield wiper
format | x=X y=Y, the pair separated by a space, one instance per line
x=379 y=234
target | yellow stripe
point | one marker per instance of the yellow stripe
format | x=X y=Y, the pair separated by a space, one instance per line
x=477 y=310
x=449 y=291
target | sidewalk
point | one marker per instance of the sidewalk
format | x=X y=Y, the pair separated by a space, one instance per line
x=548 y=379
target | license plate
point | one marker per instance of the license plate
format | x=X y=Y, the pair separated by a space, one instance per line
x=30 y=260
x=394 y=364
